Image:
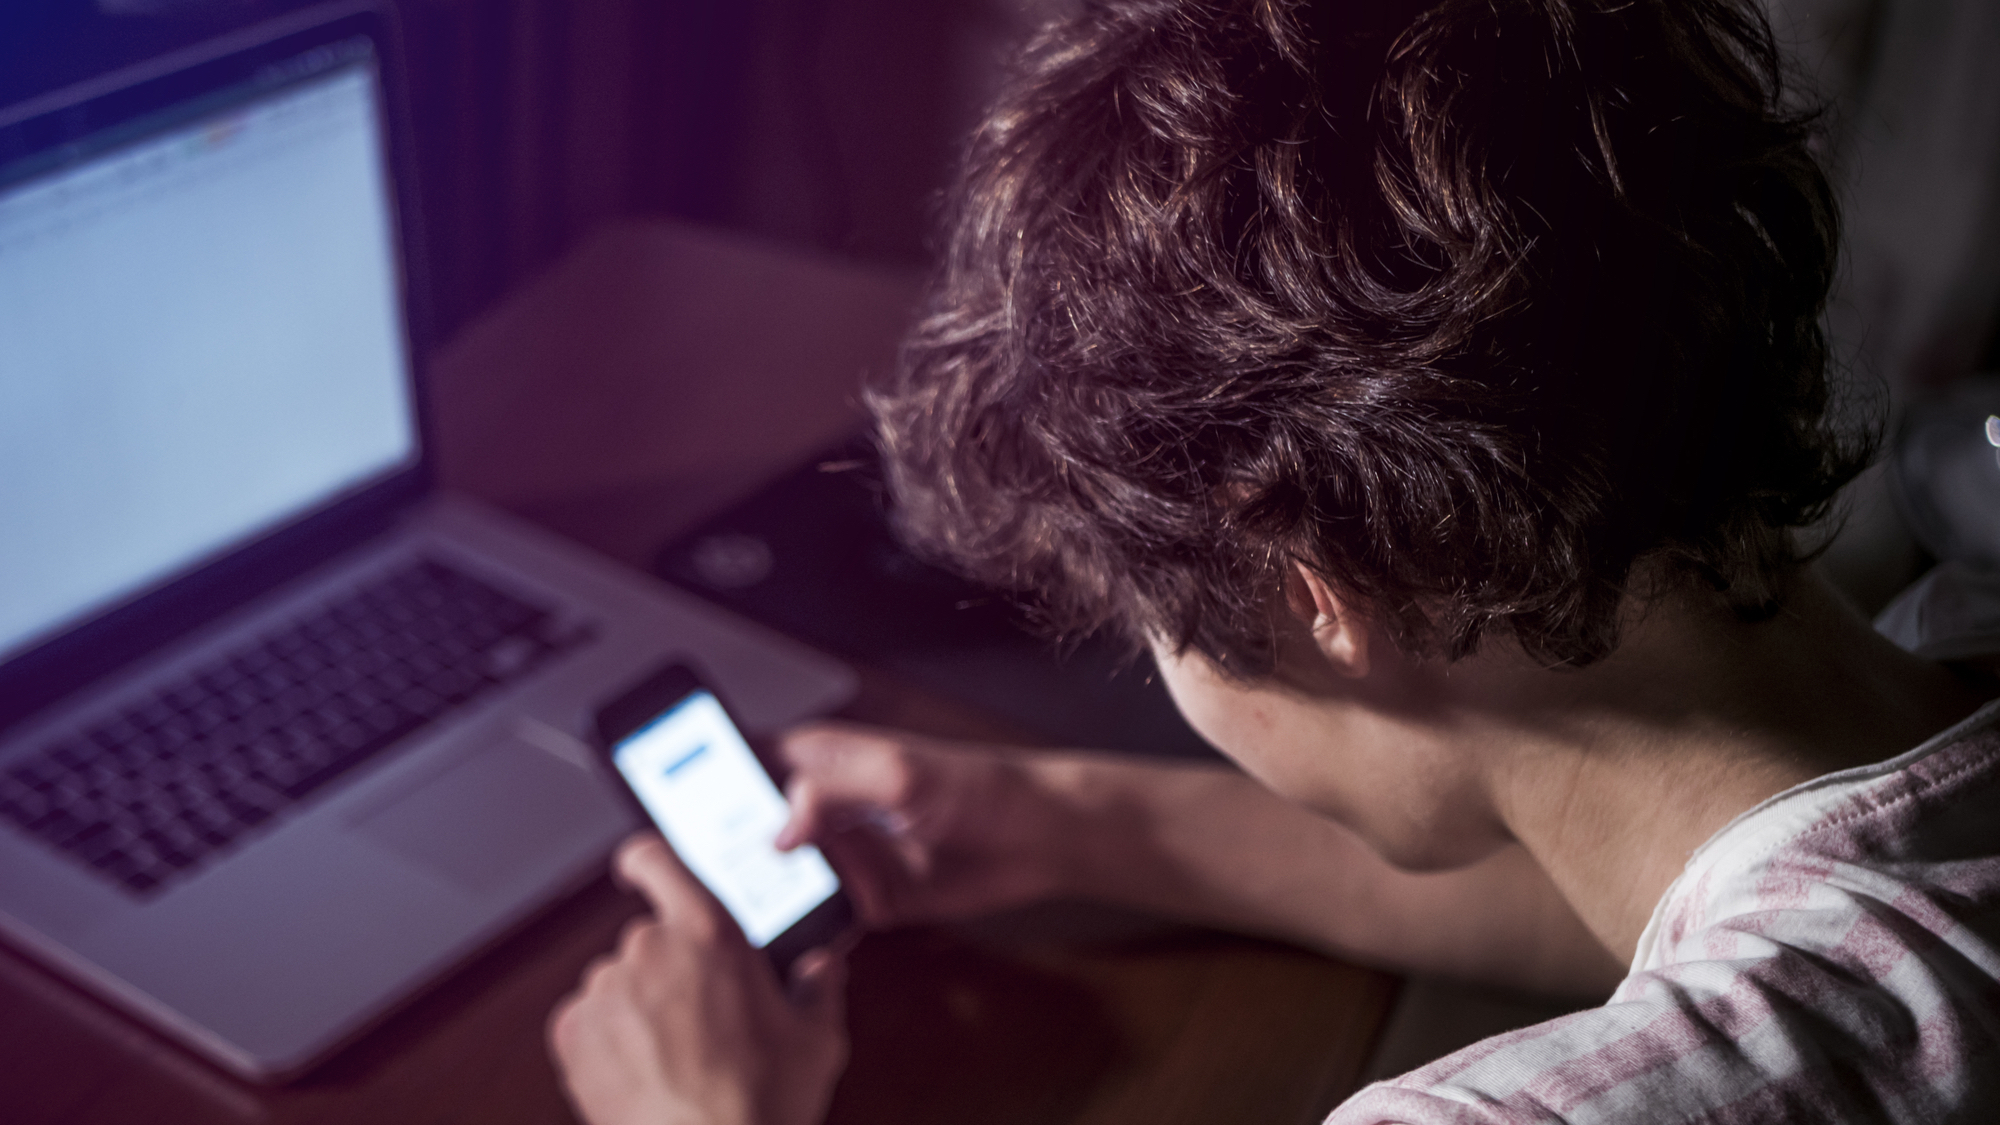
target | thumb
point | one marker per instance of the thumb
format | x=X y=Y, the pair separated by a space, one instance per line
x=819 y=985
x=646 y=864
x=808 y=814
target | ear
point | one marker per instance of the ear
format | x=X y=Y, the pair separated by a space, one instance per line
x=1339 y=631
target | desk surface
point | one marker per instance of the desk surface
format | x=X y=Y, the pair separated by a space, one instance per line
x=657 y=375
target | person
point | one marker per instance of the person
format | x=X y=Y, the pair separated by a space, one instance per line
x=1436 y=390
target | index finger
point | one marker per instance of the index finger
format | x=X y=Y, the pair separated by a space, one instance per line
x=850 y=764
x=845 y=775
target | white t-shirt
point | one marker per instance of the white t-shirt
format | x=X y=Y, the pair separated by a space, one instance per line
x=1831 y=955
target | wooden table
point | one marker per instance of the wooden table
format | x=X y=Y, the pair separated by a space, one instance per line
x=656 y=375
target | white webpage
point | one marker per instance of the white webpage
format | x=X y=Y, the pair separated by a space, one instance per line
x=720 y=811
x=202 y=341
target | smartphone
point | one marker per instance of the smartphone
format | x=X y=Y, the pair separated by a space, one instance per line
x=695 y=776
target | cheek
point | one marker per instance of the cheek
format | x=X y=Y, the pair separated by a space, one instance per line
x=1230 y=723
x=1225 y=714
x=1384 y=780
x=1255 y=729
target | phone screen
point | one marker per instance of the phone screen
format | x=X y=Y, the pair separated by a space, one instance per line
x=696 y=775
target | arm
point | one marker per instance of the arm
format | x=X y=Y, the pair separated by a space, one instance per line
x=1212 y=846
x=930 y=830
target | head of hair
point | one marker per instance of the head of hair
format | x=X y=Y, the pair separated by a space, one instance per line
x=1479 y=309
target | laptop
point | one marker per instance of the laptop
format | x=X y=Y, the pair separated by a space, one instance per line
x=285 y=731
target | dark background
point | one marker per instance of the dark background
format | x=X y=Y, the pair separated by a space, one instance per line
x=831 y=124
x=828 y=124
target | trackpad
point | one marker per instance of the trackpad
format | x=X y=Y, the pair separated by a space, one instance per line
x=499 y=811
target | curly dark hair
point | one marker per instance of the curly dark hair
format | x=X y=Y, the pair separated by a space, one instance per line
x=1468 y=306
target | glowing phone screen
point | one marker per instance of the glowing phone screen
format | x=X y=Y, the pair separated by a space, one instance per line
x=718 y=808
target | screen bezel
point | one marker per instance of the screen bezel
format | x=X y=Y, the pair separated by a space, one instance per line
x=652 y=697
x=83 y=653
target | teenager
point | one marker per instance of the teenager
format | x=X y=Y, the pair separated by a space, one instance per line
x=1437 y=391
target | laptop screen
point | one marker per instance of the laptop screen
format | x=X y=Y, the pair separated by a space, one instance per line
x=203 y=337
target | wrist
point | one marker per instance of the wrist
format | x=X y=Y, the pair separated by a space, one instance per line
x=1091 y=831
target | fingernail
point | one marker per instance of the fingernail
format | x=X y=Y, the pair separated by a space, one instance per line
x=888 y=820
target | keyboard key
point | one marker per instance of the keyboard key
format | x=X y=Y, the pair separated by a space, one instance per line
x=168 y=783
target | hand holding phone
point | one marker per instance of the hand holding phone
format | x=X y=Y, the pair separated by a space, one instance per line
x=686 y=1022
x=694 y=775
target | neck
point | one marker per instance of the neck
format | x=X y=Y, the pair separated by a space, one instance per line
x=1613 y=775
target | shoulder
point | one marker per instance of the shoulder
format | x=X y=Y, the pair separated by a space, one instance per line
x=1832 y=955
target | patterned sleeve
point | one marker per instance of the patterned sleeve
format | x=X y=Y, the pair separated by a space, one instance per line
x=1874 y=1026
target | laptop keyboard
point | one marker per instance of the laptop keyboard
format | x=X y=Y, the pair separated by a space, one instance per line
x=175 y=778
